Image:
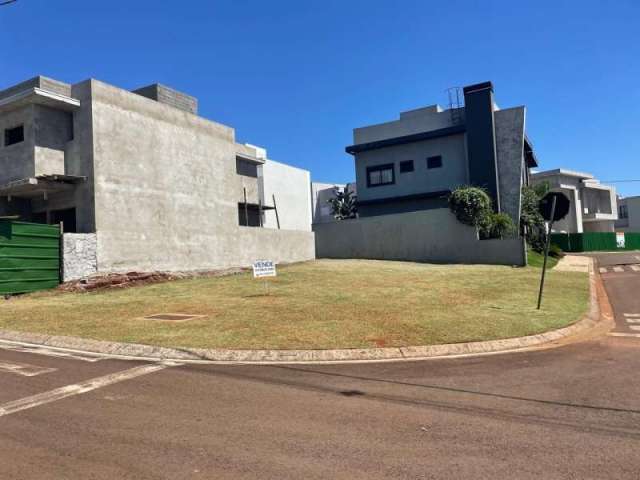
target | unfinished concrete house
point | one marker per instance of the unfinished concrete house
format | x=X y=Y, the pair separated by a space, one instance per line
x=143 y=182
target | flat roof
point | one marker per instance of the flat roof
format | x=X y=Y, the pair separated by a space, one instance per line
x=562 y=171
x=36 y=95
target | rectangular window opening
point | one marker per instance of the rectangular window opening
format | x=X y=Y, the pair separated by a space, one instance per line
x=406 y=166
x=623 y=211
x=380 y=175
x=249 y=217
x=67 y=216
x=13 y=135
x=246 y=168
x=434 y=162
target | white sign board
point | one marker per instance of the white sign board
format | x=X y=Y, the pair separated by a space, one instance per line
x=620 y=239
x=264 y=268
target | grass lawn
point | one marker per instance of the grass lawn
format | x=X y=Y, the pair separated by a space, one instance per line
x=319 y=304
x=537 y=259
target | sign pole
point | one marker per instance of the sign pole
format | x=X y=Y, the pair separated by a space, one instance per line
x=546 y=250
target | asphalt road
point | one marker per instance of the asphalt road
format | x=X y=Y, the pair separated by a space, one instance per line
x=566 y=413
x=621 y=276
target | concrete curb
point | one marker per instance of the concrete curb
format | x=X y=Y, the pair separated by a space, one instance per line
x=146 y=352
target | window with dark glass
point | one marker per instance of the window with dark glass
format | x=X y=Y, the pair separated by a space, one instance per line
x=13 y=135
x=249 y=215
x=246 y=168
x=434 y=162
x=406 y=166
x=380 y=175
x=623 y=211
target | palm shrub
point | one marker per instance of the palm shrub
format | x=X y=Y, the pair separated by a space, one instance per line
x=343 y=203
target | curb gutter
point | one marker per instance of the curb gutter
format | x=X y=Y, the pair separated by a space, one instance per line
x=591 y=322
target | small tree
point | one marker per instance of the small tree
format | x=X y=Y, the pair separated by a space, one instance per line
x=472 y=206
x=531 y=221
x=343 y=203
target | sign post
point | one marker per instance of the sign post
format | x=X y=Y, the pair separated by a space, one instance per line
x=553 y=206
x=263 y=269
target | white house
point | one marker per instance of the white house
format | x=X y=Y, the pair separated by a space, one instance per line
x=593 y=205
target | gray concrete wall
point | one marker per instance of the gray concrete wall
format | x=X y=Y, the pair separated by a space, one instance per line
x=79 y=157
x=425 y=236
x=167 y=191
x=510 y=128
x=169 y=96
x=17 y=161
x=410 y=122
x=453 y=172
x=292 y=189
x=79 y=258
x=633 y=206
x=281 y=246
x=53 y=130
x=44 y=83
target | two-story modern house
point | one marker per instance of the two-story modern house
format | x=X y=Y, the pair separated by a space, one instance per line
x=160 y=187
x=593 y=205
x=414 y=162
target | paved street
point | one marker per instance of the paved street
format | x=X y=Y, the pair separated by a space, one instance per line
x=621 y=276
x=571 y=412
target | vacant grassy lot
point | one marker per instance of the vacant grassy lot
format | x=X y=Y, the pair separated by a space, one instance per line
x=321 y=304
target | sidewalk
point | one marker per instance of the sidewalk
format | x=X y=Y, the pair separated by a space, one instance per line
x=574 y=263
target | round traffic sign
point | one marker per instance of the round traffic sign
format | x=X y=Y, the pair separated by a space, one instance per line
x=562 y=206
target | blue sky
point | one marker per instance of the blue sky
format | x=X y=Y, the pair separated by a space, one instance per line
x=297 y=76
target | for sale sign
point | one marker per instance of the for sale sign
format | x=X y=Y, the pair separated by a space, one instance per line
x=264 y=268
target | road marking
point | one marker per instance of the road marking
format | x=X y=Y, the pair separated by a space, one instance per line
x=18 y=347
x=80 y=388
x=634 y=327
x=24 y=369
x=633 y=320
x=618 y=269
x=634 y=315
x=637 y=257
x=635 y=268
x=603 y=270
x=622 y=334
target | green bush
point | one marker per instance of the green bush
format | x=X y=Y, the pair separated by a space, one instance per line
x=555 y=251
x=500 y=226
x=471 y=206
x=531 y=221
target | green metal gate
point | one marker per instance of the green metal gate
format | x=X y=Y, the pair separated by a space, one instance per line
x=29 y=257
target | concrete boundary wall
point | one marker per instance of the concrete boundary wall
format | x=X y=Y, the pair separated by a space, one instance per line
x=79 y=255
x=206 y=252
x=426 y=236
